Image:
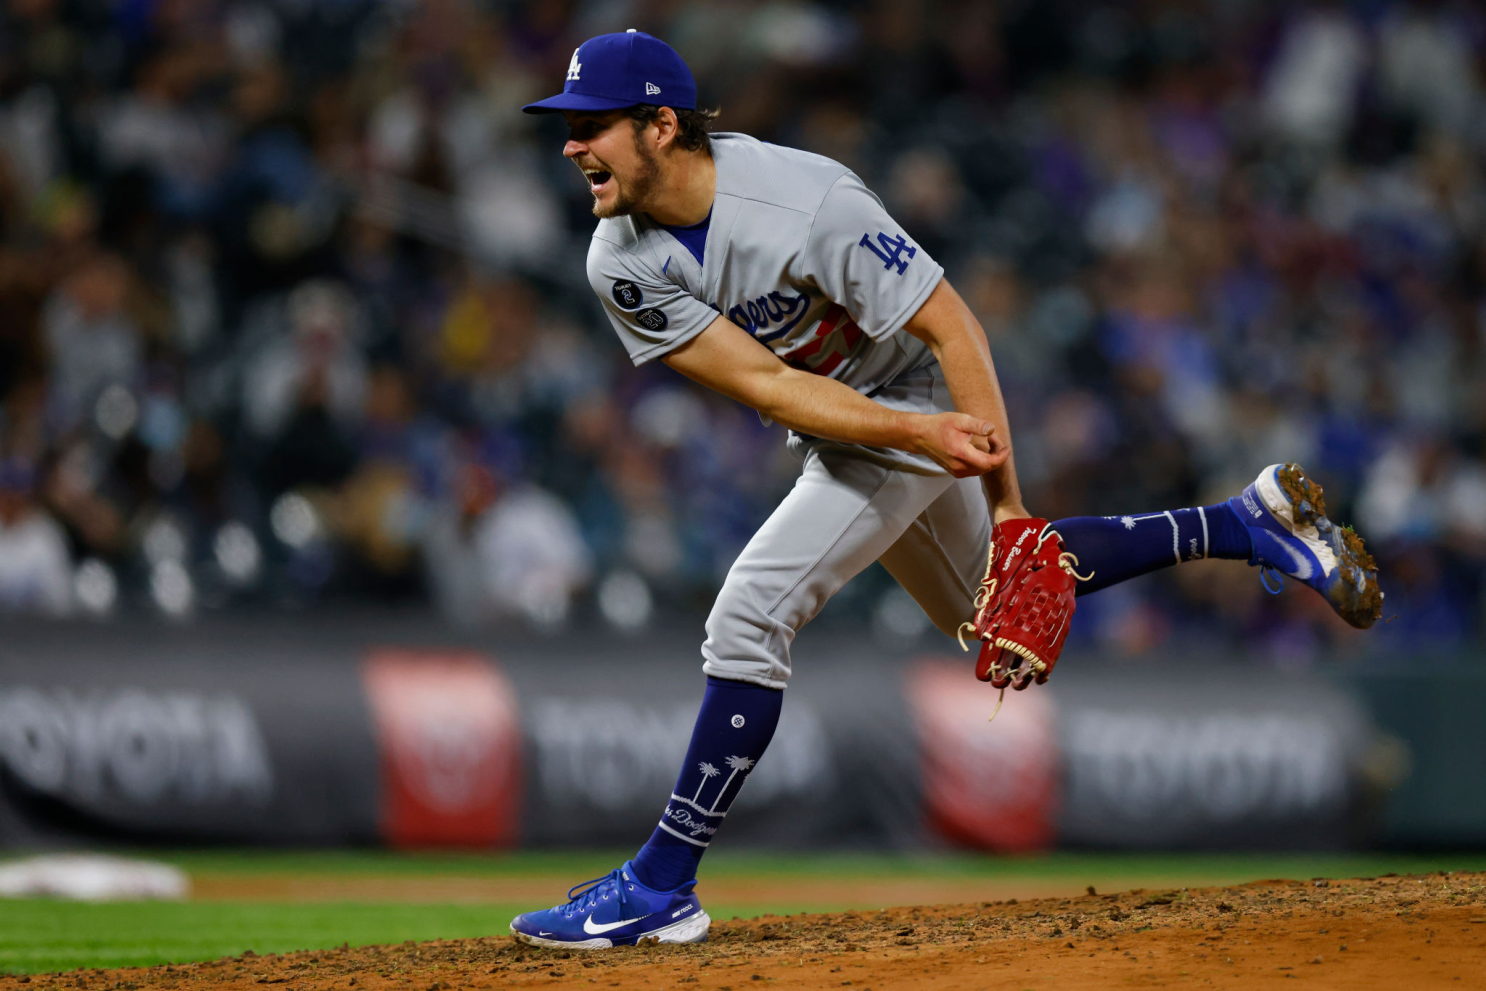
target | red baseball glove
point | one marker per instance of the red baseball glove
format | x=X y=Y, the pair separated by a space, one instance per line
x=1024 y=605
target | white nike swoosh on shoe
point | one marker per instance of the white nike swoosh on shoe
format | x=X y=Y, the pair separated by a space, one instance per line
x=540 y=933
x=595 y=928
x=1303 y=569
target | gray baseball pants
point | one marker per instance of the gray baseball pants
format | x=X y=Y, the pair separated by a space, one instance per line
x=931 y=532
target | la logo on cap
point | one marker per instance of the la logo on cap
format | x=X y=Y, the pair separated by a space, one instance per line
x=623 y=69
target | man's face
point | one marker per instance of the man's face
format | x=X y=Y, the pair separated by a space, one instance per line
x=621 y=171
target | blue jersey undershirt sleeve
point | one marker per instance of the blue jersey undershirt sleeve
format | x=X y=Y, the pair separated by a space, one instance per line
x=694 y=238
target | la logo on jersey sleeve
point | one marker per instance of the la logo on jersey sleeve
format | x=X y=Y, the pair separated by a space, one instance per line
x=890 y=249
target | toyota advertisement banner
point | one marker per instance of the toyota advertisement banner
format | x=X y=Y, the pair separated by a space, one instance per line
x=325 y=744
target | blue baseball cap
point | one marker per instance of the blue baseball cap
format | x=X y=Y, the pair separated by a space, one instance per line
x=614 y=71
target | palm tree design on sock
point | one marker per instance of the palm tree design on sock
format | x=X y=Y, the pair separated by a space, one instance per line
x=737 y=764
x=709 y=772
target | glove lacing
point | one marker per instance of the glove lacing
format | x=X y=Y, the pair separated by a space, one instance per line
x=1067 y=560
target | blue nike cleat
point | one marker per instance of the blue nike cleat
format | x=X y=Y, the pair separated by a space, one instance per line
x=1285 y=513
x=616 y=910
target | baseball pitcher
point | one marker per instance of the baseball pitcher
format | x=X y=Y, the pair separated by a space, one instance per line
x=777 y=278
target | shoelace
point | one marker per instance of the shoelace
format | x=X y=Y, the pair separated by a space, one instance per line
x=586 y=894
x=1266 y=572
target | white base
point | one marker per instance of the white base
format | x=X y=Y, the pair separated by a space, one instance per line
x=691 y=930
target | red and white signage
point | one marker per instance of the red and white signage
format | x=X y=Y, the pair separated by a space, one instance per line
x=990 y=785
x=449 y=736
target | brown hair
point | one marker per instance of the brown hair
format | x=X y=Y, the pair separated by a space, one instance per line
x=692 y=125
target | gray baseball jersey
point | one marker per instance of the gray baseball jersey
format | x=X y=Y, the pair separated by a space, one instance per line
x=799 y=253
x=803 y=256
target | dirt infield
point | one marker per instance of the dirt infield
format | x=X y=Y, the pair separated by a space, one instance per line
x=1422 y=931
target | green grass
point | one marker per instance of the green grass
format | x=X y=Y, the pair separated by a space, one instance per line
x=1188 y=868
x=41 y=936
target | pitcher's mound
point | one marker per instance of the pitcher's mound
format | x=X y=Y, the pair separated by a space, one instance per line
x=1422 y=931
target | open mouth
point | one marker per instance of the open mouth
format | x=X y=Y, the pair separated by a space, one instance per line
x=597 y=179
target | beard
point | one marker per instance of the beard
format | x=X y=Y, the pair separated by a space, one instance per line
x=632 y=193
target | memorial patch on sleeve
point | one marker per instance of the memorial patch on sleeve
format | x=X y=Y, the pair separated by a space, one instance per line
x=652 y=319
x=627 y=294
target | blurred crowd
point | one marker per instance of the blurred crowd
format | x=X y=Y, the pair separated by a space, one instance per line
x=293 y=306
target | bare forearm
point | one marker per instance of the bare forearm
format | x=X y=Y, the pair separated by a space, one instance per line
x=728 y=360
x=951 y=331
x=822 y=407
x=971 y=376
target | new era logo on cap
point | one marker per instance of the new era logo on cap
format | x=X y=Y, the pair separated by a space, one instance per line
x=614 y=71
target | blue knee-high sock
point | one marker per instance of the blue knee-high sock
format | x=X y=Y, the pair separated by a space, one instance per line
x=1114 y=548
x=735 y=725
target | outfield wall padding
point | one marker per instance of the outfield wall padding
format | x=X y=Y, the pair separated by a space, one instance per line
x=135 y=747
x=348 y=736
